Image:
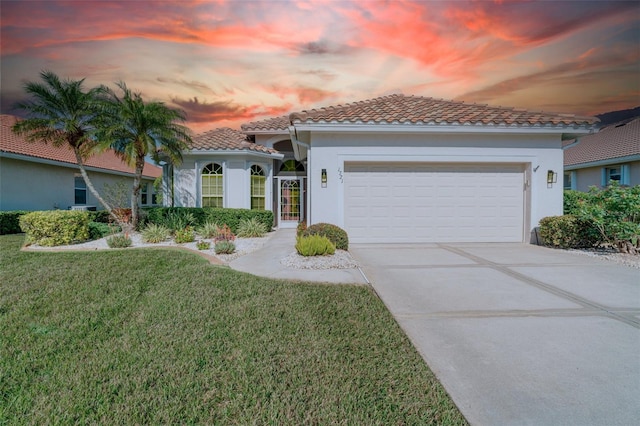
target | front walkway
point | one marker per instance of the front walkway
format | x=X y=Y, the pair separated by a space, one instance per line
x=265 y=262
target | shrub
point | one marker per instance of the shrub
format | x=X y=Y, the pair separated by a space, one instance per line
x=100 y=216
x=224 y=247
x=178 y=220
x=203 y=245
x=615 y=212
x=153 y=233
x=208 y=230
x=229 y=217
x=574 y=200
x=335 y=234
x=232 y=217
x=55 y=227
x=119 y=241
x=10 y=222
x=302 y=226
x=99 y=230
x=567 y=231
x=250 y=228
x=314 y=245
x=224 y=234
x=186 y=235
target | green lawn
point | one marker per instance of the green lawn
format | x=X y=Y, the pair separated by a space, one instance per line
x=160 y=336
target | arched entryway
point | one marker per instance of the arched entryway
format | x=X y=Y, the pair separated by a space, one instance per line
x=291 y=190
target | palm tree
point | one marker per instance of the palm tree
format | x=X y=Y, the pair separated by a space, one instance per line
x=60 y=112
x=135 y=129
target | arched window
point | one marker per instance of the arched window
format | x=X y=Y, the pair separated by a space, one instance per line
x=212 y=185
x=258 y=185
x=292 y=166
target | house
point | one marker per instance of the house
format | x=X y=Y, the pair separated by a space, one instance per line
x=391 y=169
x=611 y=154
x=38 y=176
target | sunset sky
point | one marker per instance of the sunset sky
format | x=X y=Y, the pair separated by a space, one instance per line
x=229 y=62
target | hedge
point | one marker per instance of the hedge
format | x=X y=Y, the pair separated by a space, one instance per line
x=55 y=227
x=10 y=222
x=568 y=231
x=221 y=216
x=335 y=234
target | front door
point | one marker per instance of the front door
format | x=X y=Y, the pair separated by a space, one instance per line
x=290 y=195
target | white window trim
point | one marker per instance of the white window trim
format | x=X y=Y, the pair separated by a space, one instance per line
x=75 y=188
x=624 y=174
x=265 y=170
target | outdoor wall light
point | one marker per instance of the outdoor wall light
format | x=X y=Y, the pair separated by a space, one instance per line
x=552 y=177
x=323 y=178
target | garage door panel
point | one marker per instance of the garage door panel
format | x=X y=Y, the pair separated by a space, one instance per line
x=434 y=202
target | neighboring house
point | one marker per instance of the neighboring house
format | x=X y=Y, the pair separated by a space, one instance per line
x=38 y=176
x=391 y=169
x=611 y=154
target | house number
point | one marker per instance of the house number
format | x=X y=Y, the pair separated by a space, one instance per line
x=340 y=175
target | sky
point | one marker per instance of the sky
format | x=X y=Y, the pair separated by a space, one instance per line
x=230 y=62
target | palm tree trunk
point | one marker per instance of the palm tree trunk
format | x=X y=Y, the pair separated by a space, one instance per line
x=91 y=188
x=137 y=179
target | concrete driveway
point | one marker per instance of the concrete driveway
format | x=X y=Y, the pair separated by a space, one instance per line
x=518 y=334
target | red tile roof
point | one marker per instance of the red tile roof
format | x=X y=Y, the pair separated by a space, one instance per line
x=227 y=139
x=15 y=144
x=401 y=109
x=615 y=141
x=278 y=124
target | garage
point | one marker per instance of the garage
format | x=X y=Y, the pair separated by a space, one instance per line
x=434 y=202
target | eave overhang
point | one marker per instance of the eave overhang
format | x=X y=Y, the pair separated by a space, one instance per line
x=235 y=152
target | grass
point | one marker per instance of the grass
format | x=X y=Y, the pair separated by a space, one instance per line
x=163 y=337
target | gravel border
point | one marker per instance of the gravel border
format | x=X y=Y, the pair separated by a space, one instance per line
x=610 y=255
x=340 y=260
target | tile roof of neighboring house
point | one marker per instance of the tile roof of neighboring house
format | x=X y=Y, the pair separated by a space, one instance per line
x=15 y=144
x=401 y=109
x=227 y=139
x=615 y=141
x=281 y=124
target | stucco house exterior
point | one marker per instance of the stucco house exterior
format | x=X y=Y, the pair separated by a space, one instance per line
x=391 y=169
x=38 y=176
x=611 y=154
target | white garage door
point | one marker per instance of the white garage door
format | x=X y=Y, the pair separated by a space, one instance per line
x=416 y=202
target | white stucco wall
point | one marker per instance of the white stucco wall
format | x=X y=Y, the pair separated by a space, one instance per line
x=26 y=185
x=236 y=171
x=538 y=153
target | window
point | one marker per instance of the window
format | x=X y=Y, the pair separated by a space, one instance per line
x=292 y=166
x=144 y=198
x=570 y=180
x=619 y=173
x=212 y=185
x=80 y=188
x=614 y=173
x=258 y=184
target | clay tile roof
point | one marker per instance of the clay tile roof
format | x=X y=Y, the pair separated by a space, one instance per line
x=278 y=124
x=227 y=139
x=15 y=144
x=615 y=141
x=401 y=109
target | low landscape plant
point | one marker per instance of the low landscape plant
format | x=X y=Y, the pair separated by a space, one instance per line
x=186 y=235
x=208 y=230
x=119 y=241
x=178 y=220
x=302 y=226
x=335 y=234
x=153 y=233
x=224 y=233
x=203 y=245
x=224 y=247
x=314 y=245
x=99 y=230
x=55 y=227
x=251 y=228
